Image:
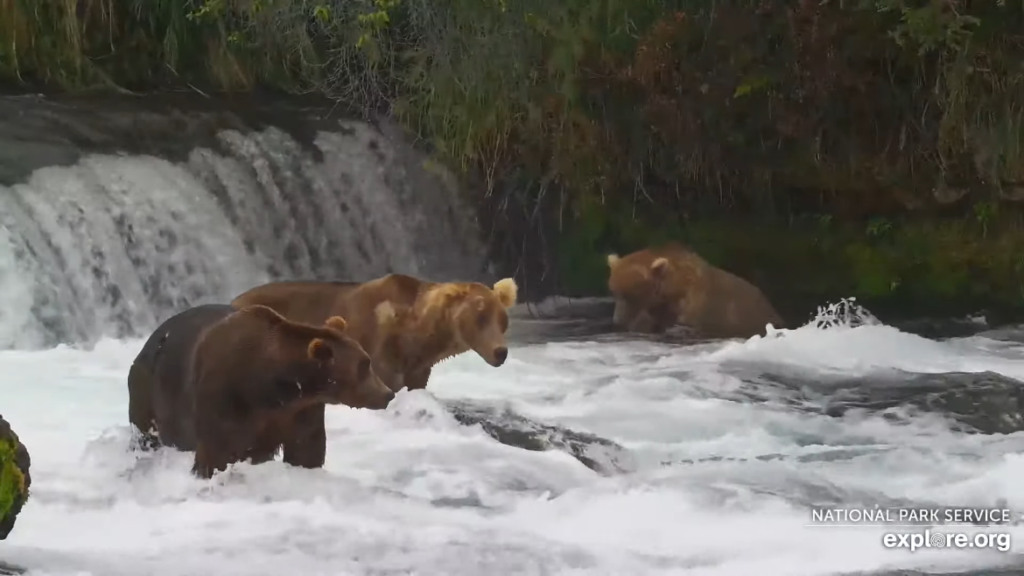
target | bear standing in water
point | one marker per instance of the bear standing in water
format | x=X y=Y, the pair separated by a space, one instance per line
x=657 y=288
x=233 y=384
x=407 y=325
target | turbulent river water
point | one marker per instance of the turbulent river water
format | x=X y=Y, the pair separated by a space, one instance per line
x=665 y=458
x=587 y=453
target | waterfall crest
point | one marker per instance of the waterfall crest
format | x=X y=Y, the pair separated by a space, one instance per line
x=114 y=217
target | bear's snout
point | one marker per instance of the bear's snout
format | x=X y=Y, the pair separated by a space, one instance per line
x=499 y=356
x=387 y=398
x=378 y=395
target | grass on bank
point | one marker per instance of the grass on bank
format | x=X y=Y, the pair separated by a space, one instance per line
x=739 y=105
x=622 y=115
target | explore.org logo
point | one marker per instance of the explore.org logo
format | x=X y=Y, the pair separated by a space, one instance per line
x=930 y=539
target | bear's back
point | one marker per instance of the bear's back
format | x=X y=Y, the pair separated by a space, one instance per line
x=307 y=301
x=735 y=307
x=719 y=303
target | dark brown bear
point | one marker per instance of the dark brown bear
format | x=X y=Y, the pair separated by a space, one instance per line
x=232 y=384
x=657 y=288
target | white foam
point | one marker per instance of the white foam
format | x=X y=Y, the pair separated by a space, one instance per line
x=409 y=490
x=873 y=347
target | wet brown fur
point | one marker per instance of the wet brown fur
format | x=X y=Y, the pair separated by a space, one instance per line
x=658 y=287
x=406 y=324
x=233 y=384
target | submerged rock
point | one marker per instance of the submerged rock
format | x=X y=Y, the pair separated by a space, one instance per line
x=985 y=402
x=979 y=402
x=598 y=454
x=14 y=477
x=997 y=570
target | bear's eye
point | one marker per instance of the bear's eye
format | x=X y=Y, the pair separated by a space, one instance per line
x=363 y=369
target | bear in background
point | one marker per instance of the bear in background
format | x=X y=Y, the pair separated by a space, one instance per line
x=659 y=287
x=407 y=325
x=233 y=384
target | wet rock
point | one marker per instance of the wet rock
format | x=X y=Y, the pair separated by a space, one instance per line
x=979 y=402
x=542 y=331
x=565 y=308
x=984 y=402
x=38 y=131
x=1014 y=334
x=598 y=454
x=15 y=479
x=1015 y=569
x=942 y=328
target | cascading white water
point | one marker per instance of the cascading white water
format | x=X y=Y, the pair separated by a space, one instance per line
x=114 y=243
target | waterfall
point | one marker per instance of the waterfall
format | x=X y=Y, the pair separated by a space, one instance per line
x=122 y=221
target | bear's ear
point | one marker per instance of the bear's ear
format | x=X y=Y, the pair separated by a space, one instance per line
x=659 y=267
x=336 y=322
x=613 y=259
x=319 y=349
x=507 y=292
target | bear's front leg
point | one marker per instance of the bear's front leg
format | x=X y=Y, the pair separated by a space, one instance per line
x=306 y=443
x=220 y=440
x=265 y=448
x=211 y=458
x=140 y=408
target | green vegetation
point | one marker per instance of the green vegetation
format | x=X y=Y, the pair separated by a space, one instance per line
x=12 y=482
x=612 y=123
x=902 y=269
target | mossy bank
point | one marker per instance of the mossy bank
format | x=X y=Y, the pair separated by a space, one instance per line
x=12 y=481
x=15 y=478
